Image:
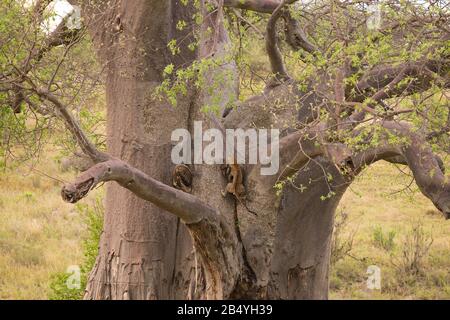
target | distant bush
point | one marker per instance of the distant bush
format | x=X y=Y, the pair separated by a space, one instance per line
x=342 y=239
x=383 y=240
x=93 y=218
x=414 y=250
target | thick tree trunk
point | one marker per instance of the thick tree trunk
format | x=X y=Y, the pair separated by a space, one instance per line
x=300 y=263
x=142 y=248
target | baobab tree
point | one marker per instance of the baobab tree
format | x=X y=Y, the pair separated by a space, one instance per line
x=347 y=87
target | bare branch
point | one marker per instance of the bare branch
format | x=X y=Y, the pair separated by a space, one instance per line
x=183 y=205
x=72 y=125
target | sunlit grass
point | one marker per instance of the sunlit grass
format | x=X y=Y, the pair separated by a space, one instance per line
x=39 y=233
x=381 y=199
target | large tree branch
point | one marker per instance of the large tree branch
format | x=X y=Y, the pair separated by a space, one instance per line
x=296 y=36
x=425 y=166
x=263 y=6
x=298 y=148
x=182 y=204
x=275 y=57
x=218 y=245
x=384 y=79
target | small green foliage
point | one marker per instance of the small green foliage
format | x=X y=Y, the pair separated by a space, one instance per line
x=173 y=47
x=168 y=69
x=383 y=240
x=181 y=24
x=204 y=74
x=93 y=219
x=29 y=196
x=329 y=195
x=279 y=187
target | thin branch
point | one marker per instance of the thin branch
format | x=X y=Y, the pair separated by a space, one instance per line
x=72 y=125
x=39 y=7
x=249 y=23
x=445 y=129
x=60 y=36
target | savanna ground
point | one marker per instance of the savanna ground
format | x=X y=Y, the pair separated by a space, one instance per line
x=40 y=235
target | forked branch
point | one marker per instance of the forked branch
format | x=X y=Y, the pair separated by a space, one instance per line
x=298 y=148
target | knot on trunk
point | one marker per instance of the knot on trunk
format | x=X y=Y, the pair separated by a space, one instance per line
x=443 y=203
x=182 y=178
x=341 y=156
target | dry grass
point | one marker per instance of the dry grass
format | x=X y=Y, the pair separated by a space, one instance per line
x=39 y=233
x=374 y=202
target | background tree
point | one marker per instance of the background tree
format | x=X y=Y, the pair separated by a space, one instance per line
x=346 y=92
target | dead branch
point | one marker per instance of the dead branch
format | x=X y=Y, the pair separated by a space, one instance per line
x=72 y=125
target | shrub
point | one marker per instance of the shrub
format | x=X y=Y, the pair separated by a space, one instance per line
x=414 y=250
x=93 y=218
x=341 y=245
x=383 y=240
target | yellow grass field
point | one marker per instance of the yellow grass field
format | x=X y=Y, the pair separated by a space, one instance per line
x=39 y=233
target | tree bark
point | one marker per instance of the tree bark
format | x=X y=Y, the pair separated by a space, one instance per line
x=305 y=224
x=144 y=252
